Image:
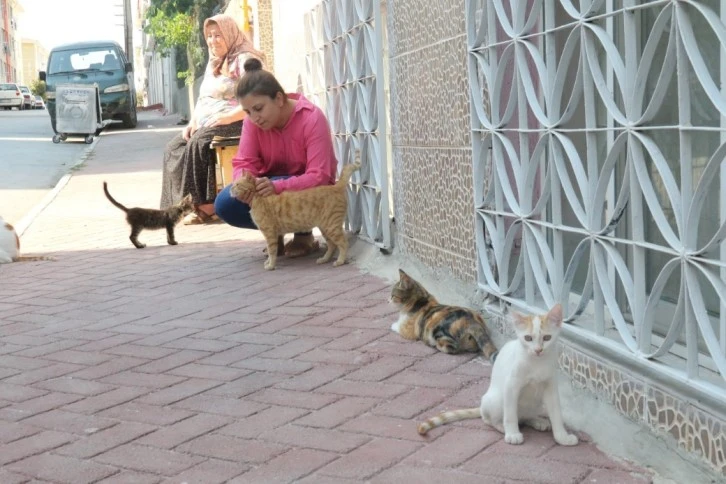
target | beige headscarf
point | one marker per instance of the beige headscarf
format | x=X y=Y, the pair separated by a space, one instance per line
x=237 y=43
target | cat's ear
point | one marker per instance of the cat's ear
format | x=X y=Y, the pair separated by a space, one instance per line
x=405 y=280
x=554 y=316
x=519 y=320
x=188 y=198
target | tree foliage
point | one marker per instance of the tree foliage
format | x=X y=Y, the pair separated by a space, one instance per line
x=170 y=31
x=37 y=87
x=178 y=24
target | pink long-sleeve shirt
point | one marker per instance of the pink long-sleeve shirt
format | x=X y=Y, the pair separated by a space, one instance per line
x=303 y=149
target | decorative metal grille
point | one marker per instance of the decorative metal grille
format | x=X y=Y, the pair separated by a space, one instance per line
x=344 y=75
x=598 y=133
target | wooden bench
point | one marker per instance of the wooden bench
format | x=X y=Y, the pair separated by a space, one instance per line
x=224 y=151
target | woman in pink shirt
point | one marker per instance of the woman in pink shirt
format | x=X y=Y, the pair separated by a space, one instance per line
x=285 y=143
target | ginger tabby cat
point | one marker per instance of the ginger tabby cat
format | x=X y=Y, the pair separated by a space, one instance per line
x=323 y=207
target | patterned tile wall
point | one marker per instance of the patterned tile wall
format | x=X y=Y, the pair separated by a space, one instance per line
x=436 y=188
x=264 y=24
x=430 y=134
x=418 y=24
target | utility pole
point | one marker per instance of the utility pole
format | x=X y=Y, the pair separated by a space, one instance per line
x=128 y=31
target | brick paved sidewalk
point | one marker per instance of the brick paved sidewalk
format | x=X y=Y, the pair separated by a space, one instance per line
x=193 y=364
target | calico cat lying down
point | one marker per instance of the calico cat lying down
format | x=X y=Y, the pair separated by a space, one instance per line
x=153 y=219
x=523 y=385
x=323 y=207
x=10 y=246
x=450 y=329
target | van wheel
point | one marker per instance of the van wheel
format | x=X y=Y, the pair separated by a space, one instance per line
x=129 y=121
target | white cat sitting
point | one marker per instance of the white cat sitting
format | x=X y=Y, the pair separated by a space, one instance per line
x=523 y=385
x=10 y=246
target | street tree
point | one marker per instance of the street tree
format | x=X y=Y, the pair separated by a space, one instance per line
x=37 y=87
x=178 y=25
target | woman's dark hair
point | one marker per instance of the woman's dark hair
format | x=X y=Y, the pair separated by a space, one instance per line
x=257 y=81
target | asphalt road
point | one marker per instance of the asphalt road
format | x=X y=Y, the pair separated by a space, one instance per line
x=30 y=164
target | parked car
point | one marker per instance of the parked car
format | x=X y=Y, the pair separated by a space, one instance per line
x=39 y=103
x=28 y=98
x=100 y=63
x=10 y=96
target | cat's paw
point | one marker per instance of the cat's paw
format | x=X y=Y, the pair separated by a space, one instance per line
x=269 y=266
x=567 y=439
x=541 y=423
x=338 y=263
x=172 y=242
x=321 y=260
x=514 y=438
x=396 y=326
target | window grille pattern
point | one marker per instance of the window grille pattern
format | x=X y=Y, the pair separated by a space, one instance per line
x=344 y=75
x=598 y=149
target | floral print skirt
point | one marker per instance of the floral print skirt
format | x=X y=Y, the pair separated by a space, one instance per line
x=189 y=166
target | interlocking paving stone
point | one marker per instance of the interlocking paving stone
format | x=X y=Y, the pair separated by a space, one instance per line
x=61 y=469
x=193 y=364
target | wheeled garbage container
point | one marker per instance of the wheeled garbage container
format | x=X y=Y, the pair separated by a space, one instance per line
x=78 y=112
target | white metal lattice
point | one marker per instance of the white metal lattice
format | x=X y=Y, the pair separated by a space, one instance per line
x=599 y=132
x=344 y=75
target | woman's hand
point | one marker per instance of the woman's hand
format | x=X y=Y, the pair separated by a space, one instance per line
x=189 y=130
x=220 y=119
x=264 y=187
x=245 y=197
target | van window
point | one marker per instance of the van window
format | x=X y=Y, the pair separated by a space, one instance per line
x=99 y=58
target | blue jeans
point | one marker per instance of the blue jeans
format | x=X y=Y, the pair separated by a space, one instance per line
x=232 y=211
x=236 y=213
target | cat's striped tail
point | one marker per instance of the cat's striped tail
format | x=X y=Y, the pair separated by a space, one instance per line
x=345 y=174
x=447 y=417
x=32 y=258
x=111 y=199
x=484 y=341
x=348 y=170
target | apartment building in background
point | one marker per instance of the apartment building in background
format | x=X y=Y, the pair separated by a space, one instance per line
x=34 y=58
x=10 y=55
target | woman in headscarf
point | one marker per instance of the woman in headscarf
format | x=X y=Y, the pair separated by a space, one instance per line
x=188 y=159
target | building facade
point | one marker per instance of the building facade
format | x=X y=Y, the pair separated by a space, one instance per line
x=551 y=153
x=34 y=57
x=10 y=48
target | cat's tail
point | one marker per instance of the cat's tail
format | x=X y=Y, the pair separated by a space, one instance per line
x=447 y=417
x=111 y=199
x=484 y=341
x=31 y=258
x=347 y=171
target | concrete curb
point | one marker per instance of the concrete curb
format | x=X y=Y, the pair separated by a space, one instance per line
x=28 y=219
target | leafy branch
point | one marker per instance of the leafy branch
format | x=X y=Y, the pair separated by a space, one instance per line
x=178 y=25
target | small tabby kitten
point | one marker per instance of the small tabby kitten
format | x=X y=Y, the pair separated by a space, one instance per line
x=450 y=329
x=323 y=207
x=523 y=385
x=153 y=219
x=10 y=246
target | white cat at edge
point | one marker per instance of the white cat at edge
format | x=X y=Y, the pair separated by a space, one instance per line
x=9 y=243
